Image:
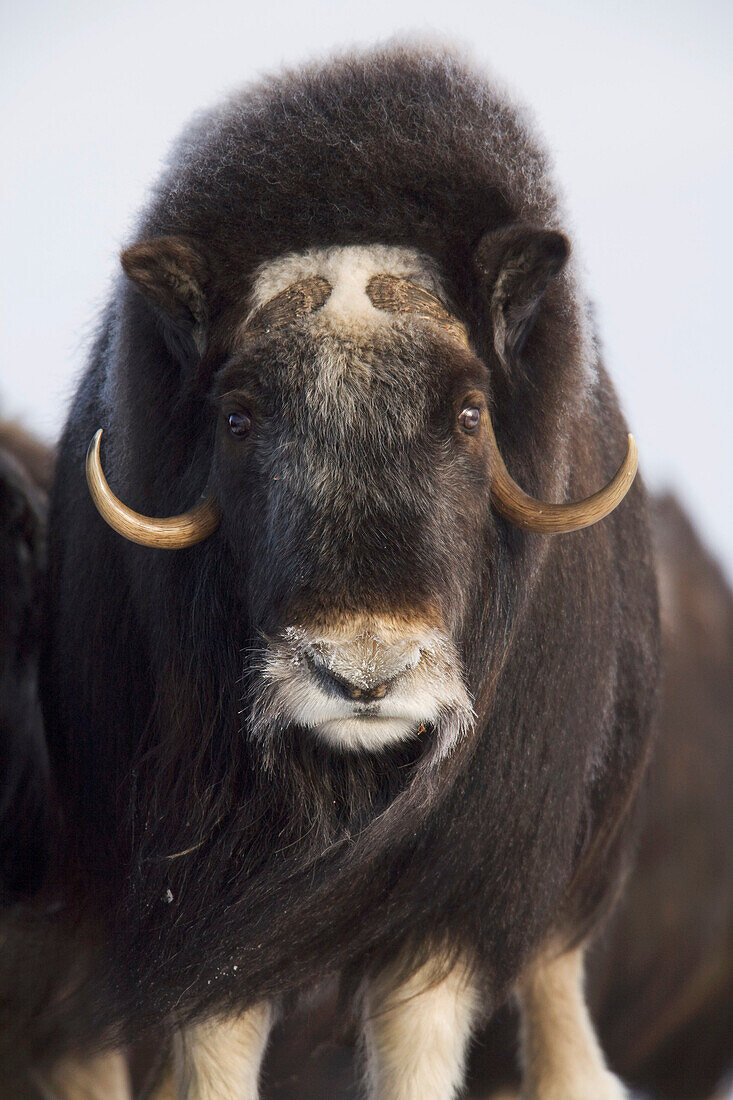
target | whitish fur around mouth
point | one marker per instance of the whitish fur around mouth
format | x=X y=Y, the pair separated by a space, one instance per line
x=418 y=676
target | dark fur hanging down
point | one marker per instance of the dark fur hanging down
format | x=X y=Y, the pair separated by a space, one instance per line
x=222 y=867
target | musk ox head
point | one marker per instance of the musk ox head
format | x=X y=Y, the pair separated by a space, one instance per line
x=354 y=475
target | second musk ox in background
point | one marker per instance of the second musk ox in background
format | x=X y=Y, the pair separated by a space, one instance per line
x=662 y=984
x=25 y=473
x=362 y=710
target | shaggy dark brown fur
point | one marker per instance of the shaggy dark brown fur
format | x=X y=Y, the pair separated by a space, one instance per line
x=661 y=978
x=226 y=869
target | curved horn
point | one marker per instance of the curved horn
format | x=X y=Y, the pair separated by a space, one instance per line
x=173 y=533
x=536 y=515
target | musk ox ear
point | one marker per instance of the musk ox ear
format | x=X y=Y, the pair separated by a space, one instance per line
x=173 y=276
x=515 y=265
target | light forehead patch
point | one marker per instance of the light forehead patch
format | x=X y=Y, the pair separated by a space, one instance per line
x=361 y=287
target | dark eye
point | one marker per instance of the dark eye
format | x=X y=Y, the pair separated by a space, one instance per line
x=469 y=418
x=239 y=423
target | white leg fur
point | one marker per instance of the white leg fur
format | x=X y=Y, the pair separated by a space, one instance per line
x=102 y=1077
x=417 y=1035
x=561 y=1057
x=220 y=1059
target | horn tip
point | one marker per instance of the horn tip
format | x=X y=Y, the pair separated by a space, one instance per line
x=633 y=454
x=94 y=442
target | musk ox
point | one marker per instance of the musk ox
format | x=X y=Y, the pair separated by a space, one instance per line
x=48 y=995
x=328 y=693
x=662 y=981
x=24 y=779
x=27 y=825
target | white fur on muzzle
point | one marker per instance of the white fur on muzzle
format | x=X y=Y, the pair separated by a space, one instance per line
x=363 y=685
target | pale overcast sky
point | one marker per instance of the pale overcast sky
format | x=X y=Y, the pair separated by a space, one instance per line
x=632 y=98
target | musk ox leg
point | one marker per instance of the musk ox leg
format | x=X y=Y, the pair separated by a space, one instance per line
x=220 y=1059
x=561 y=1056
x=417 y=1033
x=102 y=1077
